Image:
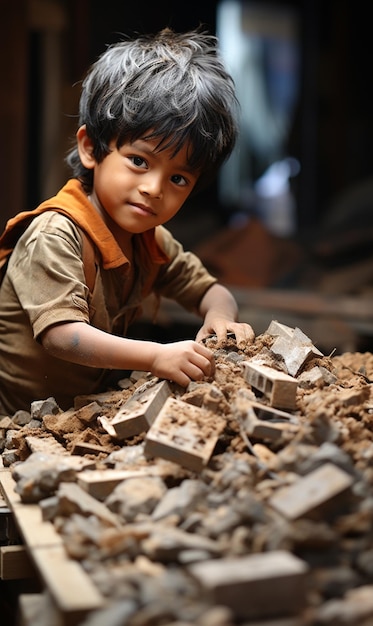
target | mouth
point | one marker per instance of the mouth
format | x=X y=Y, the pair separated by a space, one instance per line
x=143 y=208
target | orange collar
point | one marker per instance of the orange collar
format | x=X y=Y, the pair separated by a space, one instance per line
x=72 y=201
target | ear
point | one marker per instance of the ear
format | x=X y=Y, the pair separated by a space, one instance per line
x=85 y=148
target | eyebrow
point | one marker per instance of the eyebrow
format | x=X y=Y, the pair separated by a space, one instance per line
x=144 y=147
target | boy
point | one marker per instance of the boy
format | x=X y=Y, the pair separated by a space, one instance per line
x=157 y=119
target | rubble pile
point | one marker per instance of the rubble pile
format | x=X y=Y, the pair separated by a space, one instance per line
x=243 y=499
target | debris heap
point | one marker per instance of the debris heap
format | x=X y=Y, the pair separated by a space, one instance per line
x=244 y=499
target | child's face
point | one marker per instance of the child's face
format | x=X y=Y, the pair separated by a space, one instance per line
x=137 y=186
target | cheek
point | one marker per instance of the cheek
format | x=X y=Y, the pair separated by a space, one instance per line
x=172 y=209
x=108 y=180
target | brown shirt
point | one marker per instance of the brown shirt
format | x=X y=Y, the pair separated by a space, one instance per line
x=45 y=283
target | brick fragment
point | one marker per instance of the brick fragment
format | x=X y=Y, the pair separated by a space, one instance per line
x=263 y=422
x=184 y=433
x=293 y=346
x=89 y=412
x=100 y=483
x=244 y=583
x=137 y=414
x=278 y=387
x=317 y=494
x=276 y=329
x=73 y=499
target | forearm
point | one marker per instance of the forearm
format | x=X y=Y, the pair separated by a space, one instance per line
x=83 y=344
x=219 y=311
x=77 y=342
x=218 y=302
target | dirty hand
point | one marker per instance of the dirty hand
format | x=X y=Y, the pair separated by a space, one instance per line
x=221 y=327
x=219 y=310
x=183 y=361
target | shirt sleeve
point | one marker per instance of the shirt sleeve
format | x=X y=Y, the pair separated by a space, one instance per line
x=47 y=273
x=184 y=279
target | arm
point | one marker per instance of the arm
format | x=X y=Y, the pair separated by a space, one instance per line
x=81 y=343
x=220 y=313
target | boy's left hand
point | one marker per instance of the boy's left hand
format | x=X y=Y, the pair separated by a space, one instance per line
x=221 y=327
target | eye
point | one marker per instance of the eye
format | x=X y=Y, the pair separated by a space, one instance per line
x=138 y=161
x=179 y=180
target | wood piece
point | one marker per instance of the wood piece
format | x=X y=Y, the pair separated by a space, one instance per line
x=70 y=587
x=184 y=433
x=100 y=483
x=308 y=303
x=278 y=387
x=83 y=447
x=317 y=494
x=28 y=517
x=139 y=412
x=15 y=563
x=244 y=583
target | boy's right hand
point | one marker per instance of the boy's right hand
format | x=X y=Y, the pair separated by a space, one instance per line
x=183 y=361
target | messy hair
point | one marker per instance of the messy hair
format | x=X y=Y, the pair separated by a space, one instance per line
x=170 y=87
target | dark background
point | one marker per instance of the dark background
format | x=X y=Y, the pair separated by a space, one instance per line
x=47 y=45
x=333 y=130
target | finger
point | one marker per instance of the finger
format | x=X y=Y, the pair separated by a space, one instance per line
x=201 y=367
x=203 y=334
x=202 y=350
x=244 y=335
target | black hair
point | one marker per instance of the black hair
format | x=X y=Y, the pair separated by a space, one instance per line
x=169 y=86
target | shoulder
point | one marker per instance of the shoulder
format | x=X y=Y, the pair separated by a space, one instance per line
x=167 y=241
x=52 y=221
x=49 y=226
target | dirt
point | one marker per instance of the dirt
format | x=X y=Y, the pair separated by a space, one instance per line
x=226 y=506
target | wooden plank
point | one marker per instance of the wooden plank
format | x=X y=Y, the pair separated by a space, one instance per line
x=71 y=588
x=28 y=517
x=308 y=303
x=69 y=585
x=15 y=563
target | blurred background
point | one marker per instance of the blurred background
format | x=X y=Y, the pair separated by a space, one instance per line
x=288 y=224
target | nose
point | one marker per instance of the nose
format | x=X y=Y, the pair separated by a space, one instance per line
x=151 y=185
